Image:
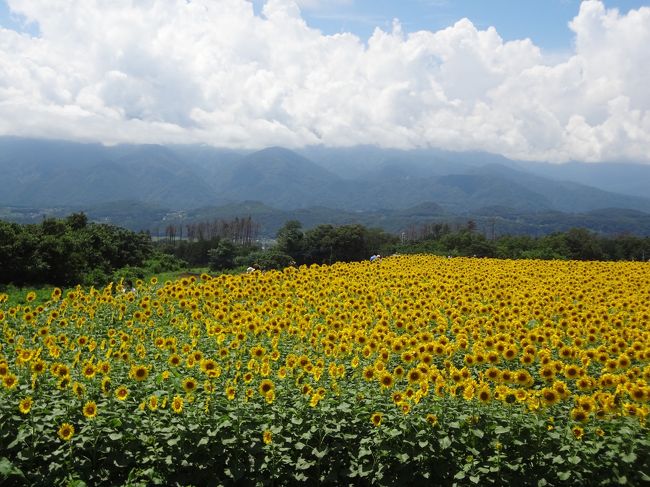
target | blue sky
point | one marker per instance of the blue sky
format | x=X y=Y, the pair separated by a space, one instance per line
x=545 y=22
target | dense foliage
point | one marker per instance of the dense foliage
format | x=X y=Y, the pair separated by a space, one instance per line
x=68 y=251
x=412 y=370
x=72 y=250
x=326 y=244
x=574 y=244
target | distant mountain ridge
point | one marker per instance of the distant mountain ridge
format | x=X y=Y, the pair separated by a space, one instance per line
x=43 y=173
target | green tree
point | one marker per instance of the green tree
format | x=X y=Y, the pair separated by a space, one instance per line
x=583 y=245
x=290 y=239
x=223 y=256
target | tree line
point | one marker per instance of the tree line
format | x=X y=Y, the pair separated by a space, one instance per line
x=68 y=251
x=574 y=244
x=73 y=251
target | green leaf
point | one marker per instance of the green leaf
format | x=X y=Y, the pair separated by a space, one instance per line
x=344 y=407
x=460 y=475
x=499 y=430
x=629 y=457
x=574 y=459
x=203 y=441
x=558 y=459
x=475 y=479
x=7 y=469
x=478 y=433
x=303 y=464
x=622 y=480
x=564 y=475
x=319 y=454
x=445 y=442
x=542 y=483
x=115 y=436
x=299 y=445
x=364 y=452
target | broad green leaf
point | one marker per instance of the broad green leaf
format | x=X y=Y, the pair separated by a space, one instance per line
x=445 y=442
x=629 y=457
x=574 y=459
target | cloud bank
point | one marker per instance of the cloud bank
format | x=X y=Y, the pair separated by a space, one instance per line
x=212 y=71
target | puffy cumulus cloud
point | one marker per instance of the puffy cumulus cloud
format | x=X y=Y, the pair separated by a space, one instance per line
x=213 y=71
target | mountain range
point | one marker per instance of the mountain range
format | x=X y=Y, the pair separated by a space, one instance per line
x=49 y=174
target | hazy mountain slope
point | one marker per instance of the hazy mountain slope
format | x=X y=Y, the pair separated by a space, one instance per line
x=565 y=195
x=40 y=173
x=624 y=178
x=53 y=173
x=280 y=177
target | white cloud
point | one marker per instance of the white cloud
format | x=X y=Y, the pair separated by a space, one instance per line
x=212 y=71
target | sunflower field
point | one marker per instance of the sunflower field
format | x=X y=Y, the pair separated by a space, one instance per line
x=412 y=370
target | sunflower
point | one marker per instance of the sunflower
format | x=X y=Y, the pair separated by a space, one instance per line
x=230 y=393
x=578 y=432
x=139 y=372
x=270 y=396
x=484 y=394
x=25 y=405
x=550 y=396
x=266 y=386
x=177 y=404
x=90 y=410
x=66 y=431
x=387 y=380
x=578 y=414
x=174 y=360
x=376 y=418
x=509 y=353
x=571 y=371
x=414 y=376
x=189 y=384
x=152 y=403
x=523 y=377
x=62 y=370
x=267 y=437
x=10 y=381
x=121 y=393
x=369 y=373
x=78 y=389
x=89 y=371
x=315 y=399
x=208 y=366
x=493 y=374
x=106 y=385
x=432 y=419
x=547 y=372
